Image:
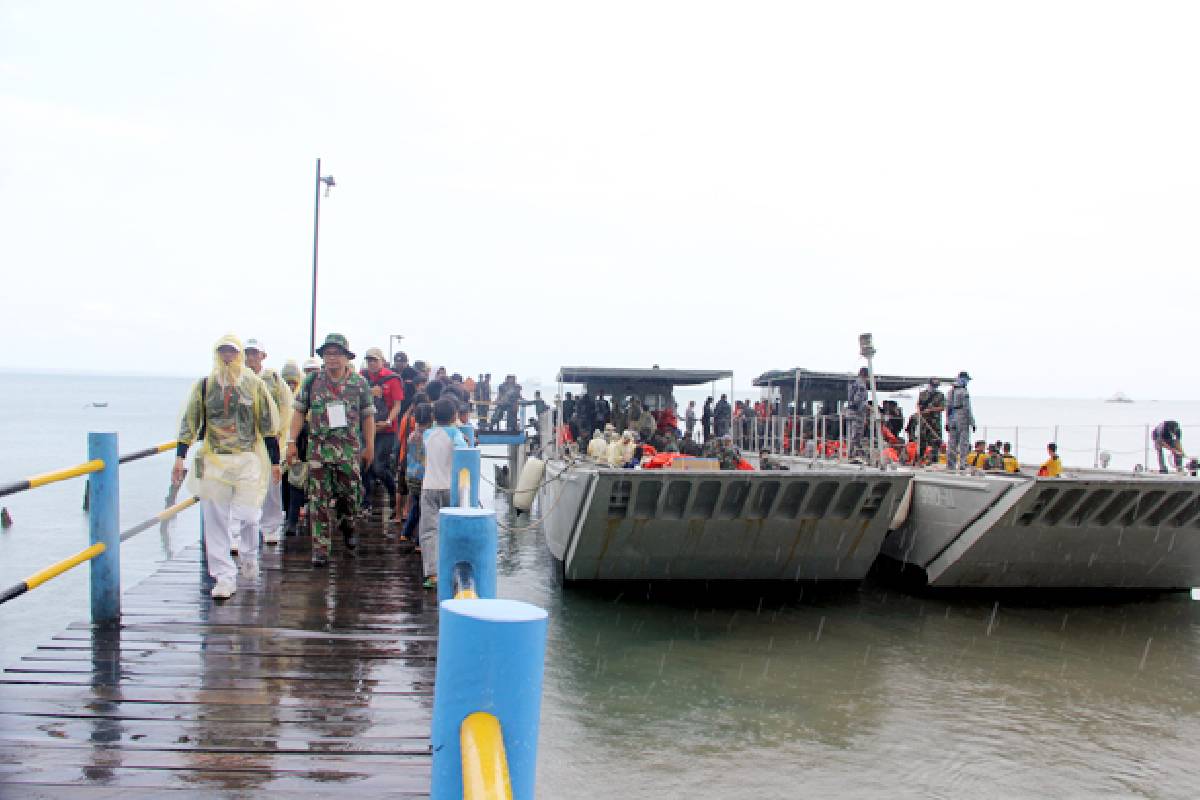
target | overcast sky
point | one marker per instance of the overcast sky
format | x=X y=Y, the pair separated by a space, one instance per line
x=1008 y=188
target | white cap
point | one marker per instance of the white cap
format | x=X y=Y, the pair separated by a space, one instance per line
x=310 y=363
x=255 y=344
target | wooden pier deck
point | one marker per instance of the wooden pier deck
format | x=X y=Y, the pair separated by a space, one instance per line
x=309 y=682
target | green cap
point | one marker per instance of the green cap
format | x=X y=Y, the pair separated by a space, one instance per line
x=337 y=340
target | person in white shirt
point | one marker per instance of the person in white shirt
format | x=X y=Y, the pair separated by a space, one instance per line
x=440 y=441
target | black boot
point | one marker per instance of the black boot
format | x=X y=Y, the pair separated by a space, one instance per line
x=348 y=535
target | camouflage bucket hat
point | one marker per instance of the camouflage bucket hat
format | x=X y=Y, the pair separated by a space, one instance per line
x=337 y=340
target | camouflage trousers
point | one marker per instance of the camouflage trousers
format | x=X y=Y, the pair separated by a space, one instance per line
x=333 y=489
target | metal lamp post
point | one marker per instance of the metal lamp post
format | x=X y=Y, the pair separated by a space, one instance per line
x=329 y=184
x=866 y=348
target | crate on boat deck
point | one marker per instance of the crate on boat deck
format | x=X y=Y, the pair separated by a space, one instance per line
x=688 y=464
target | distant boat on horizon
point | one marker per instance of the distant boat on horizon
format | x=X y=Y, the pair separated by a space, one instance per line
x=1119 y=397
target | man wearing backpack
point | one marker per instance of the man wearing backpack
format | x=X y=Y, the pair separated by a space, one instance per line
x=960 y=423
x=231 y=415
x=387 y=391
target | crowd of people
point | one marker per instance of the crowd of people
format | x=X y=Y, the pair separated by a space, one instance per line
x=312 y=446
x=623 y=432
x=938 y=431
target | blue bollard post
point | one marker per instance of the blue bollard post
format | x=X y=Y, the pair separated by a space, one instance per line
x=104 y=525
x=490 y=658
x=468 y=458
x=467 y=534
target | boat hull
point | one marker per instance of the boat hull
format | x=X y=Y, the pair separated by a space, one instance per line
x=1095 y=531
x=613 y=524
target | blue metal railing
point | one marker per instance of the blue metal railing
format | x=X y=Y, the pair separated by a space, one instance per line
x=104 y=519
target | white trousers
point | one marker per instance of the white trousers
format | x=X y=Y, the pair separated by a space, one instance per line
x=224 y=520
x=272 y=510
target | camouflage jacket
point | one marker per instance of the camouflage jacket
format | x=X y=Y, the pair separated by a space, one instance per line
x=728 y=457
x=930 y=399
x=325 y=443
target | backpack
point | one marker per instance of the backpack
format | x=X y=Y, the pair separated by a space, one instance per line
x=381 y=407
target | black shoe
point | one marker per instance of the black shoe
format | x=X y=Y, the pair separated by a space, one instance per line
x=349 y=538
x=290 y=531
x=319 y=560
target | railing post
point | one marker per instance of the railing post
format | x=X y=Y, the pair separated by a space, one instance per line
x=1146 y=449
x=490 y=659
x=469 y=459
x=467 y=534
x=1096 y=459
x=104 y=525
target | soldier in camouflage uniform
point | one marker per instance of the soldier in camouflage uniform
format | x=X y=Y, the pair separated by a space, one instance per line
x=728 y=456
x=930 y=405
x=856 y=411
x=337 y=404
x=723 y=450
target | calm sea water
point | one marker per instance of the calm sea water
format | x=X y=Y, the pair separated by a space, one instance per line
x=734 y=691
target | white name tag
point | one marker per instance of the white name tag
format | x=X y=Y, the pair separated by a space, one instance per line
x=337 y=415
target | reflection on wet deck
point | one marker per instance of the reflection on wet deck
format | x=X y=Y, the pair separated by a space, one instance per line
x=306 y=682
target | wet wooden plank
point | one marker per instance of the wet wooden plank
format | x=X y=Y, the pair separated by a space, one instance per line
x=250 y=736
x=309 y=682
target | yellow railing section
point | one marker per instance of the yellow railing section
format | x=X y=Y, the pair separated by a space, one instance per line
x=161 y=517
x=484 y=763
x=54 y=570
x=87 y=468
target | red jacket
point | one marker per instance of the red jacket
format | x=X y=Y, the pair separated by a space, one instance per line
x=393 y=393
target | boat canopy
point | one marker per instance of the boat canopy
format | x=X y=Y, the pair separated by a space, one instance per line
x=829 y=388
x=674 y=377
x=652 y=386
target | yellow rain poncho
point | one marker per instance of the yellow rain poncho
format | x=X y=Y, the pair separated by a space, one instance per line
x=597 y=448
x=235 y=411
x=620 y=451
x=281 y=393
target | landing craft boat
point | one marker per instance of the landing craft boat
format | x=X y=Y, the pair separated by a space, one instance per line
x=1086 y=529
x=639 y=524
